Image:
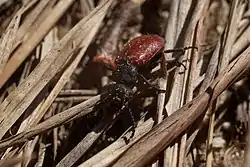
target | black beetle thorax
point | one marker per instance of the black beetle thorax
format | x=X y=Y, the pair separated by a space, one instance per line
x=126 y=74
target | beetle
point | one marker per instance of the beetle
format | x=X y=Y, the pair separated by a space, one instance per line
x=137 y=53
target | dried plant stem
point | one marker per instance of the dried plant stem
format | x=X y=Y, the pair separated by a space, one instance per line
x=229 y=40
x=171 y=35
x=209 y=77
x=77 y=152
x=54 y=121
x=112 y=152
x=247 y=154
x=209 y=154
x=7 y=41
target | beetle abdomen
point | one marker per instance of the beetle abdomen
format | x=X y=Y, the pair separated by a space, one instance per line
x=142 y=49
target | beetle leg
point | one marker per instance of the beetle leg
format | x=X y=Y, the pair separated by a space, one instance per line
x=133 y=122
x=107 y=61
x=126 y=106
x=175 y=60
x=151 y=85
x=181 y=52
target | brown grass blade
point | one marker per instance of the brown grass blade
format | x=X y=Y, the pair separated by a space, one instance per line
x=54 y=121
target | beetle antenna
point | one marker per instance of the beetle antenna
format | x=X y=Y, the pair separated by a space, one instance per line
x=180 y=49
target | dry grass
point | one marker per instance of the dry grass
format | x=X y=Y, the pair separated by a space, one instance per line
x=52 y=111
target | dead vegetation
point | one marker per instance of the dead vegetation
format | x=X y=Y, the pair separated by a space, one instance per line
x=52 y=112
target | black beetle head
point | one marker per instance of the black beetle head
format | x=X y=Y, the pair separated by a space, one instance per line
x=126 y=74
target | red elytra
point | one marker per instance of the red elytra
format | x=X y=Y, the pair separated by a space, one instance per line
x=138 y=51
x=141 y=50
